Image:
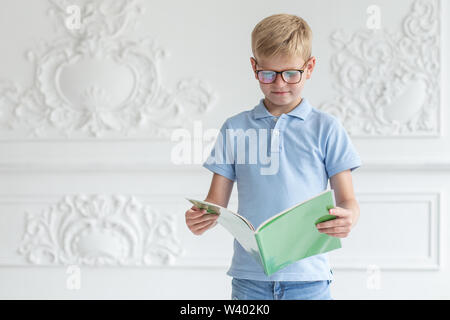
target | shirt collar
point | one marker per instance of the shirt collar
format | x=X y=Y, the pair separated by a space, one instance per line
x=300 y=111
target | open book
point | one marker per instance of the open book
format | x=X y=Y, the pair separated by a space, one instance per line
x=286 y=237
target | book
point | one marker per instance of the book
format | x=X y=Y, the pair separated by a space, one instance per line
x=286 y=237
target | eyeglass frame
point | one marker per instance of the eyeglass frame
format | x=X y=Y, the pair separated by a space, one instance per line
x=280 y=72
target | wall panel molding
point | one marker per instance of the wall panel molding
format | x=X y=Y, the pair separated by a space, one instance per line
x=397 y=230
x=96 y=167
x=115 y=229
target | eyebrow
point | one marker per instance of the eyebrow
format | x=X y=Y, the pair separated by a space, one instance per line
x=290 y=68
x=264 y=68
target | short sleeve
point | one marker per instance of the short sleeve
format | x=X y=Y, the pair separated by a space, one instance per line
x=340 y=154
x=221 y=158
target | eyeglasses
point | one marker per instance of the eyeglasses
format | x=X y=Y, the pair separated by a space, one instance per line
x=290 y=76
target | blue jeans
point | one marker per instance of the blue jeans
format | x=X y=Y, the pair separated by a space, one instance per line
x=245 y=289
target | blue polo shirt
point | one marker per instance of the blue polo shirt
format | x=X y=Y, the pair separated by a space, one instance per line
x=306 y=147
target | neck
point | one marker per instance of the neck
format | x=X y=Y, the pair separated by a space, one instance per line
x=277 y=110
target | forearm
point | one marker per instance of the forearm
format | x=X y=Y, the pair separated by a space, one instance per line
x=353 y=206
x=220 y=190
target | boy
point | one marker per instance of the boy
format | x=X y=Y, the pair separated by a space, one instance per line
x=308 y=147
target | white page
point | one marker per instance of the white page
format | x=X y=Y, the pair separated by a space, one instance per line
x=239 y=229
x=237 y=225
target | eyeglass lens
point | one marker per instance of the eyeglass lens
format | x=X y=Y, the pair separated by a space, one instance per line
x=290 y=76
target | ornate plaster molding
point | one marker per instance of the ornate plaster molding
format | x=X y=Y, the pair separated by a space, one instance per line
x=388 y=83
x=100 y=230
x=98 y=81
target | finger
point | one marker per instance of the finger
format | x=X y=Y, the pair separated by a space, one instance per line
x=339 y=235
x=334 y=230
x=206 y=217
x=203 y=229
x=339 y=212
x=193 y=214
x=338 y=222
x=196 y=215
x=199 y=226
x=197 y=209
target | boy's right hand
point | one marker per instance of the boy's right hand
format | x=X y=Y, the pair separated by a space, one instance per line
x=198 y=221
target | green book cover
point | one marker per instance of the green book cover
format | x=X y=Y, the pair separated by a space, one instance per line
x=287 y=237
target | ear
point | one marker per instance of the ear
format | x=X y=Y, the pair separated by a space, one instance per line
x=310 y=67
x=253 y=62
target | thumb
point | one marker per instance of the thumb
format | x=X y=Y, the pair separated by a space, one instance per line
x=337 y=211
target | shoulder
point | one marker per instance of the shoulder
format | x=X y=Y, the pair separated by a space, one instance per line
x=323 y=120
x=239 y=120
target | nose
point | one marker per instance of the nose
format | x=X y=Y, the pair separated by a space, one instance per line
x=279 y=80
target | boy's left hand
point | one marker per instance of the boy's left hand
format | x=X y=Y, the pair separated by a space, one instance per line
x=339 y=227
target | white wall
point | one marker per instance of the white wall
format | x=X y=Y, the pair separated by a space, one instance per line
x=86 y=117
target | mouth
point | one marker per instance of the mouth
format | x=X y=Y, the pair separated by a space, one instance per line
x=280 y=92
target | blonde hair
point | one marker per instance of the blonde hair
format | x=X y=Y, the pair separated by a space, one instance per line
x=282 y=34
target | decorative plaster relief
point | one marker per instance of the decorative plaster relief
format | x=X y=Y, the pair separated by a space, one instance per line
x=98 y=230
x=96 y=80
x=388 y=83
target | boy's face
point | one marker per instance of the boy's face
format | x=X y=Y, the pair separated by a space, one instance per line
x=290 y=93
